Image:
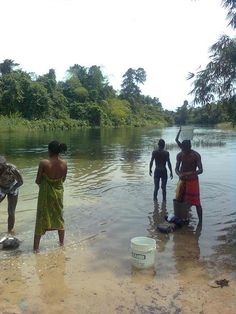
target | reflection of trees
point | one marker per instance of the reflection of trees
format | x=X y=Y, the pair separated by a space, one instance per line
x=98 y=148
x=26 y=148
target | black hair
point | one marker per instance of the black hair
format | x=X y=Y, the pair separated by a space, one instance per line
x=161 y=143
x=56 y=148
x=186 y=145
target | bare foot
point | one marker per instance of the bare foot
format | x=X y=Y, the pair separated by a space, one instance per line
x=11 y=232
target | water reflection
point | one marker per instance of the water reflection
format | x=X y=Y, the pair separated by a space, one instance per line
x=186 y=248
x=108 y=181
x=158 y=216
x=180 y=248
x=143 y=276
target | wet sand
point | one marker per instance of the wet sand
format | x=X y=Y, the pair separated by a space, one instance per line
x=86 y=277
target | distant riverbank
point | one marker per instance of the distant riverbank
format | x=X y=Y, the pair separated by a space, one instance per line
x=17 y=123
x=225 y=126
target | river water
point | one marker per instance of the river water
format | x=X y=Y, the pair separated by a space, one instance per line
x=108 y=196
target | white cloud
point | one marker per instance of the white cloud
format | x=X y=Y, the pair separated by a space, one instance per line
x=167 y=38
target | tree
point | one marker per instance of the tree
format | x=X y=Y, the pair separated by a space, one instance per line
x=148 y=100
x=80 y=72
x=217 y=80
x=58 y=102
x=93 y=81
x=12 y=92
x=36 y=102
x=21 y=94
x=49 y=80
x=230 y=6
x=131 y=79
x=7 y=66
x=73 y=90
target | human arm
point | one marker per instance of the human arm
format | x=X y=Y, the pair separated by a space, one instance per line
x=169 y=166
x=150 y=164
x=18 y=178
x=177 y=166
x=64 y=177
x=177 y=138
x=199 y=165
x=40 y=172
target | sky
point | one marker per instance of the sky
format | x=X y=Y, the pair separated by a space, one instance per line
x=166 y=38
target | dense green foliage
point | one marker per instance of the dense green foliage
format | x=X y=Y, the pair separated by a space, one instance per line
x=214 y=86
x=85 y=98
x=207 y=114
x=218 y=79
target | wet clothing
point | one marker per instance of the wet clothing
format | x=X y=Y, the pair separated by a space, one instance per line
x=188 y=191
x=12 y=190
x=50 y=205
x=8 y=181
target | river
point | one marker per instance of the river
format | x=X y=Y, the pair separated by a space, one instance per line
x=108 y=196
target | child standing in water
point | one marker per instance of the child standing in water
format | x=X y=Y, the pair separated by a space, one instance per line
x=50 y=177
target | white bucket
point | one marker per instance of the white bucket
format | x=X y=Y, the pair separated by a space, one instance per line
x=186 y=133
x=143 y=252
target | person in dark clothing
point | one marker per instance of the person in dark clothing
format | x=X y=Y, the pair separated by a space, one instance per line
x=161 y=157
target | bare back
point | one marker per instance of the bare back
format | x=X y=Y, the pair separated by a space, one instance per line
x=54 y=168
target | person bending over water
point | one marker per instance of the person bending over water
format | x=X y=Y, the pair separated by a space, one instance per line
x=50 y=177
x=188 y=167
x=10 y=181
x=161 y=157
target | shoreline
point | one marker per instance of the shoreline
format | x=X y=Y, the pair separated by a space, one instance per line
x=75 y=279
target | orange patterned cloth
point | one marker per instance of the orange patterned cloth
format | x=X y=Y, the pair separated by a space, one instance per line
x=188 y=191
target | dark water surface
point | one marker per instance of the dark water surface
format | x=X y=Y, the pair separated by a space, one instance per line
x=108 y=194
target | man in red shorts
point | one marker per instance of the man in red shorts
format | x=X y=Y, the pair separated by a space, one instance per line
x=188 y=167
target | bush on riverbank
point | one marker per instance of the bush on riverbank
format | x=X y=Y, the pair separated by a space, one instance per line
x=15 y=122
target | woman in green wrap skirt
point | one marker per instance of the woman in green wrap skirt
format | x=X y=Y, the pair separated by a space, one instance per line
x=50 y=177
